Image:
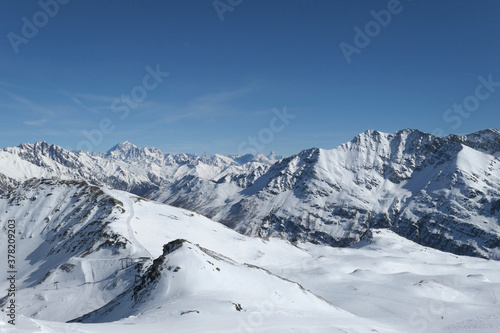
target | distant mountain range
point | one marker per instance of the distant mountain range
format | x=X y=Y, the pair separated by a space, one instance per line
x=439 y=192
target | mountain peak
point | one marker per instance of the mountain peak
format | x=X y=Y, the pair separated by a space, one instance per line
x=377 y=180
x=489 y=132
x=375 y=133
x=37 y=144
x=122 y=147
x=371 y=137
x=487 y=141
x=126 y=145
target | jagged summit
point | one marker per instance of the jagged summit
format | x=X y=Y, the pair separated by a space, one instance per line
x=39 y=146
x=435 y=191
x=118 y=257
x=90 y=254
x=487 y=131
x=125 y=166
x=124 y=150
x=487 y=141
x=123 y=146
x=403 y=132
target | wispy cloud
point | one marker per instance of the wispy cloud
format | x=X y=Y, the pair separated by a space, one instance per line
x=100 y=102
x=10 y=85
x=95 y=103
x=78 y=97
x=29 y=105
x=35 y=122
x=76 y=100
x=172 y=117
x=222 y=96
x=209 y=105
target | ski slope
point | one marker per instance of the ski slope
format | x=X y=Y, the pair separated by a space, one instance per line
x=115 y=273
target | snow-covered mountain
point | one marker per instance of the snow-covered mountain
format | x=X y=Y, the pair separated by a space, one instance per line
x=438 y=192
x=108 y=260
x=89 y=254
x=125 y=166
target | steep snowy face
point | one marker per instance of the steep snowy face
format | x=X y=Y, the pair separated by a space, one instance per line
x=72 y=216
x=96 y=255
x=440 y=192
x=184 y=271
x=66 y=233
x=487 y=141
x=92 y=254
x=330 y=196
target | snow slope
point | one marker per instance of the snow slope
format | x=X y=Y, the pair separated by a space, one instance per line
x=113 y=257
x=127 y=264
x=439 y=192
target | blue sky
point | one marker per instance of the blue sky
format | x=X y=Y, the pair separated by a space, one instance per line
x=229 y=79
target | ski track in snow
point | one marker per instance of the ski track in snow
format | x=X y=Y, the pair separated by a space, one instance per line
x=88 y=274
x=87 y=270
x=131 y=231
x=396 y=284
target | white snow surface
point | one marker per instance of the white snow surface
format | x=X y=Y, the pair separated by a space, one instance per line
x=438 y=192
x=105 y=248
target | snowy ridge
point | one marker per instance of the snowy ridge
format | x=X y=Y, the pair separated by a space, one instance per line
x=438 y=192
x=185 y=271
x=103 y=248
x=125 y=166
x=124 y=263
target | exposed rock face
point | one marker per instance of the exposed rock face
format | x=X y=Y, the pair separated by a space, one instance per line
x=439 y=192
x=75 y=217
